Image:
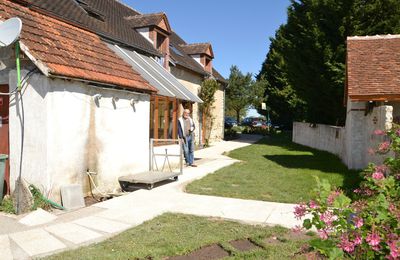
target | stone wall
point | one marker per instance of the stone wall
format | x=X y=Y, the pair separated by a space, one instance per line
x=322 y=137
x=193 y=82
x=355 y=142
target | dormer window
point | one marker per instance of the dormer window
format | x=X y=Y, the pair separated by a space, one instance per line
x=156 y=29
x=200 y=52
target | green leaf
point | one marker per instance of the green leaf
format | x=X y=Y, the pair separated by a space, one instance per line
x=341 y=201
x=307 y=224
x=335 y=253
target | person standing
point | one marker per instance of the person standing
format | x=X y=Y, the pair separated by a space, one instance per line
x=186 y=129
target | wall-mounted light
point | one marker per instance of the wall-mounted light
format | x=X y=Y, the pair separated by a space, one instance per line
x=134 y=100
x=97 y=97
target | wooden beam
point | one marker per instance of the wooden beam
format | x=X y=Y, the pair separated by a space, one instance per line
x=166 y=119
x=174 y=119
x=156 y=123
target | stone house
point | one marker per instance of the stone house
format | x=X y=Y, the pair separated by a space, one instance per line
x=372 y=99
x=98 y=76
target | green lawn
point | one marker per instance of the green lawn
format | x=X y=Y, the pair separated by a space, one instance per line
x=177 y=234
x=275 y=169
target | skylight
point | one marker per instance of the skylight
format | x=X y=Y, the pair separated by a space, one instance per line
x=175 y=50
x=92 y=12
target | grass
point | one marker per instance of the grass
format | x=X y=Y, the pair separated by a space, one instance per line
x=7 y=205
x=178 y=234
x=275 y=169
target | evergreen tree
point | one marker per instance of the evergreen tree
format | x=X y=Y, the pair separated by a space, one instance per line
x=305 y=65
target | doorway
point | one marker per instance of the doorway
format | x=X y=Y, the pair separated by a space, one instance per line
x=4 y=135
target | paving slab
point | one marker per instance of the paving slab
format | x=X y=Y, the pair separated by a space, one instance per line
x=250 y=211
x=5 y=249
x=36 y=242
x=37 y=217
x=102 y=224
x=283 y=215
x=133 y=217
x=73 y=233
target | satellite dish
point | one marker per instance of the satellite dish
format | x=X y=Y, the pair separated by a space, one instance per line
x=10 y=31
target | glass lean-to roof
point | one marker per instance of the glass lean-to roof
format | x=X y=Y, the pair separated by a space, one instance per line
x=156 y=75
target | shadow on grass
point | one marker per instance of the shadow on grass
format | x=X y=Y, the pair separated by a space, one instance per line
x=314 y=160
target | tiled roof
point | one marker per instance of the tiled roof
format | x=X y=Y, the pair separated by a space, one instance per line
x=373 y=68
x=114 y=25
x=144 y=20
x=67 y=51
x=183 y=60
x=196 y=48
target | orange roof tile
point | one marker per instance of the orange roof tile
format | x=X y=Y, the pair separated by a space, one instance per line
x=373 y=68
x=69 y=51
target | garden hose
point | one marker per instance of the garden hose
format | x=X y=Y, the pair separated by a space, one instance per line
x=36 y=193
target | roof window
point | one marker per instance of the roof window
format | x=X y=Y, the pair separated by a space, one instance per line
x=92 y=12
x=175 y=50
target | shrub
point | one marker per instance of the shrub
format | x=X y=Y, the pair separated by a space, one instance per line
x=230 y=134
x=368 y=226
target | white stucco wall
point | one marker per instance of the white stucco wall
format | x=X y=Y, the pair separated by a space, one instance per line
x=354 y=143
x=66 y=133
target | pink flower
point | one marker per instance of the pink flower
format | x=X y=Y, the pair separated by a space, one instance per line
x=297 y=229
x=378 y=176
x=379 y=132
x=394 y=249
x=327 y=217
x=373 y=239
x=332 y=197
x=357 y=239
x=383 y=147
x=323 y=234
x=358 y=222
x=300 y=211
x=398 y=132
x=346 y=244
x=376 y=248
x=313 y=204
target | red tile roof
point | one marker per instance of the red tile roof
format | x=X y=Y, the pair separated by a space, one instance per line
x=373 y=68
x=68 y=51
x=198 y=48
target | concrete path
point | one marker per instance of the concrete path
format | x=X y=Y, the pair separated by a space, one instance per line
x=38 y=234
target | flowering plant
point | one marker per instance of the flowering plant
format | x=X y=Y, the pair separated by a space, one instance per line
x=367 y=227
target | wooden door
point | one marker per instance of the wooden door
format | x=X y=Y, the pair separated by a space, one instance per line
x=4 y=135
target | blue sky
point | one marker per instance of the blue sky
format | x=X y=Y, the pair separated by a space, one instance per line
x=238 y=30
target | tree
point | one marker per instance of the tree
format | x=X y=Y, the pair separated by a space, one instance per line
x=281 y=97
x=238 y=96
x=206 y=93
x=305 y=65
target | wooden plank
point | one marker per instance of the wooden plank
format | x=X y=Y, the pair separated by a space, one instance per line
x=149 y=177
